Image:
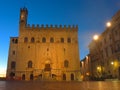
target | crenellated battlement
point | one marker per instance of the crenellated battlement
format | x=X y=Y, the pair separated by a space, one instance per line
x=33 y=26
x=23 y=9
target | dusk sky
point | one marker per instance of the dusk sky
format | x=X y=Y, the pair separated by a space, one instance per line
x=90 y=16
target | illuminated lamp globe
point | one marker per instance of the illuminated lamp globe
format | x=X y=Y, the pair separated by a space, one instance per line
x=108 y=24
x=95 y=37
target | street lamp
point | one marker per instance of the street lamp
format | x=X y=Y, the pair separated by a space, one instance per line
x=112 y=63
x=100 y=68
x=95 y=37
x=108 y=24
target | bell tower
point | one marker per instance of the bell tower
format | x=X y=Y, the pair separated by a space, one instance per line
x=23 y=17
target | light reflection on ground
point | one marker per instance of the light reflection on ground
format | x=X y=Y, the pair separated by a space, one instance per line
x=44 y=85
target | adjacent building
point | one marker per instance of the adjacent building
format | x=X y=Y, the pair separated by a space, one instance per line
x=44 y=52
x=85 y=68
x=105 y=51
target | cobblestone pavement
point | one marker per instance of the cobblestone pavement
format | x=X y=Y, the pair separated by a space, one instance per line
x=44 y=85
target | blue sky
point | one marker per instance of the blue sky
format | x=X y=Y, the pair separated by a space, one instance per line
x=89 y=15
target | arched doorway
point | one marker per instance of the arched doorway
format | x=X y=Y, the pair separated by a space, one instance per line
x=12 y=75
x=72 y=76
x=23 y=77
x=31 y=76
x=40 y=76
x=64 y=77
x=54 y=76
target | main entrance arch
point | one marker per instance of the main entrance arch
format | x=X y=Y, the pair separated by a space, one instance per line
x=47 y=70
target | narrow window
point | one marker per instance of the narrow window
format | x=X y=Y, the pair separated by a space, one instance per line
x=25 y=39
x=31 y=77
x=16 y=41
x=62 y=40
x=23 y=77
x=13 y=40
x=47 y=67
x=13 y=65
x=51 y=39
x=66 y=63
x=29 y=64
x=69 y=40
x=13 y=52
x=43 y=39
x=64 y=77
x=72 y=76
x=32 y=40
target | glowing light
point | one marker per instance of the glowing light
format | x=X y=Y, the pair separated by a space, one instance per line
x=98 y=68
x=108 y=24
x=112 y=63
x=87 y=73
x=95 y=37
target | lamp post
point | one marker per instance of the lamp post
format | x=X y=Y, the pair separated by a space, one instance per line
x=100 y=68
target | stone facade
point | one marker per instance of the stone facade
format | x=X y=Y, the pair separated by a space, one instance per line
x=44 y=52
x=105 y=52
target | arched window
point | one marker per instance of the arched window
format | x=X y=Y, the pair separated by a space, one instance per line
x=32 y=40
x=16 y=41
x=29 y=64
x=47 y=67
x=51 y=39
x=13 y=52
x=62 y=40
x=66 y=63
x=64 y=77
x=13 y=65
x=13 y=40
x=69 y=40
x=43 y=39
x=25 y=39
x=72 y=76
